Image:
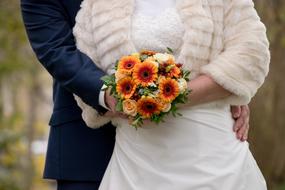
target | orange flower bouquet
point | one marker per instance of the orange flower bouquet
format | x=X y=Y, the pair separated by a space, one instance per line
x=148 y=85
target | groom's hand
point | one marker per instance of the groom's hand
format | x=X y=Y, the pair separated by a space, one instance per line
x=111 y=103
x=241 y=116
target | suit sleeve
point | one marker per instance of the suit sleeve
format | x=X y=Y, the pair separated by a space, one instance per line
x=244 y=63
x=51 y=38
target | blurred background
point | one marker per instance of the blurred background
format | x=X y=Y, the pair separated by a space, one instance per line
x=25 y=104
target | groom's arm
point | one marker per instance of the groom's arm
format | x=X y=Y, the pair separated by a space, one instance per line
x=51 y=38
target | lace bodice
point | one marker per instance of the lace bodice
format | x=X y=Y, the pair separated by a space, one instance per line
x=158 y=32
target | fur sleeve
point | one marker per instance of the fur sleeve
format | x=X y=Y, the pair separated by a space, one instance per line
x=244 y=63
x=84 y=41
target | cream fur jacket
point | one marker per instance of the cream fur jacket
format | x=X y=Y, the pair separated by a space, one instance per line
x=224 y=39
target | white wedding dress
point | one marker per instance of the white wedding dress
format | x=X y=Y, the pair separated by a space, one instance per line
x=198 y=151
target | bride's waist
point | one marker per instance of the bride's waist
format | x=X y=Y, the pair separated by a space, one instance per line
x=215 y=106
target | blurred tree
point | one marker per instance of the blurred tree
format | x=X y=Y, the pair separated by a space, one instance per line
x=21 y=95
x=268 y=107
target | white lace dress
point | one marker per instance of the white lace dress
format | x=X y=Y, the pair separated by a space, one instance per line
x=198 y=151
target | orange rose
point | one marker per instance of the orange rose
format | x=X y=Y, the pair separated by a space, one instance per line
x=166 y=107
x=130 y=107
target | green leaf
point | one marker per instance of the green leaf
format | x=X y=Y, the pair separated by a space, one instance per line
x=119 y=106
x=180 y=114
x=116 y=64
x=186 y=75
x=110 y=82
x=138 y=122
x=169 y=67
x=113 y=90
x=143 y=57
x=105 y=78
x=169 y=50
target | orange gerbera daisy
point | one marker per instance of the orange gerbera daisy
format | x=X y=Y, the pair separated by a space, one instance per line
x=127 y=63
x=148 y=106
x=170 y=69
x=174 y=72
x=168 y=89
x=126 y=87
x=145 y=73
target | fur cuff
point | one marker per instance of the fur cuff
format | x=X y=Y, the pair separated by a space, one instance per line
x=241 y=94
x=90 y=116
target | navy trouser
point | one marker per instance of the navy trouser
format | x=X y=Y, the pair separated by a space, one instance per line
x=77 y=185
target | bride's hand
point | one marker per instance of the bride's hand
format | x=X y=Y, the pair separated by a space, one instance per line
x=241 y=116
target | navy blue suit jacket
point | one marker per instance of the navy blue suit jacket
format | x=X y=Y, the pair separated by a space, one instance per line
x=75 y=152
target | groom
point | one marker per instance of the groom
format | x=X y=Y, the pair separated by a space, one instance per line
x=77 y=156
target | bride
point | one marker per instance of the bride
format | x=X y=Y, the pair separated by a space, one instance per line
x=224 y=44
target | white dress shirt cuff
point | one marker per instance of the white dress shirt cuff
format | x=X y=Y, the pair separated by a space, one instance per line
x=102 y=98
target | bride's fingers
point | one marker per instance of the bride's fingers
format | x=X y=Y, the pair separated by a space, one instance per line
x=236 y=111
x=239 y=123
x=245 y=136
x=242 y=131
x=243 y=118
